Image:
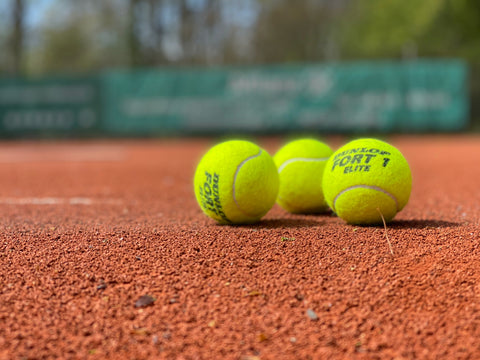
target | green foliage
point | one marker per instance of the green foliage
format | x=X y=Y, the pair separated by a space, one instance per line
x=286 y=33
x=88 y=35
x=376 y=28
x=433 y=28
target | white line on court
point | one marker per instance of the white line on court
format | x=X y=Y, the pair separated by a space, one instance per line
x=62 y=153
x=58 y=201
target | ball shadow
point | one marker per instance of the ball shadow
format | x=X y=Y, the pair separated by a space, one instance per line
x=420 y=224
x=287 y=223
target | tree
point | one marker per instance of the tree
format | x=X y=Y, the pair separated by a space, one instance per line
x=379 y=29
x=302 y=32
x=80 y=36
x=455 y=31
x=439 y=28
x=17 y=36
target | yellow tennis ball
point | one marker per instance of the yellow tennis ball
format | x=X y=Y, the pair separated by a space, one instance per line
x=300 y=166
x=236 y=182
x=365 y=179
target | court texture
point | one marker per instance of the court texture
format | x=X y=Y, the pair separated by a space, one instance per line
x=105 y=253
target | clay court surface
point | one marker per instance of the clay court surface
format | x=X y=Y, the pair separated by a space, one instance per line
x=88 y=228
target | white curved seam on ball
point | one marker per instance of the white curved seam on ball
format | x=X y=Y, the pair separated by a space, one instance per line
x=365 y=187
x=292 y=160
x=235 y=180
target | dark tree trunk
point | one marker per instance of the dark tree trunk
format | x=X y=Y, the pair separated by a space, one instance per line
x=17 y=37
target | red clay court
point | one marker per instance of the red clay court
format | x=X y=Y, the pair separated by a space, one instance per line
x=106 y=254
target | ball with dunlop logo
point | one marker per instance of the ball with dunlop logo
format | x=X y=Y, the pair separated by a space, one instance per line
x=236 y=182
x=367 y=181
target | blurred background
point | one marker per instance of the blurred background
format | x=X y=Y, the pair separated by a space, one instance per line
x=72 y=68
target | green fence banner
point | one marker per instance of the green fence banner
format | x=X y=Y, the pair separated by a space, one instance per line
x=415 y=96
x=372 y=96
x=49 y=106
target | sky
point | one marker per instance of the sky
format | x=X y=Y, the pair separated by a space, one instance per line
x=35 y=11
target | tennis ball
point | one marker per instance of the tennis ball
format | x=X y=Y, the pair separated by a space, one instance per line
x=236 y=182
x=300 y=166
x=365 y=179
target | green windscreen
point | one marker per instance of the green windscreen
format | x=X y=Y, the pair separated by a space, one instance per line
x=416 y=96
